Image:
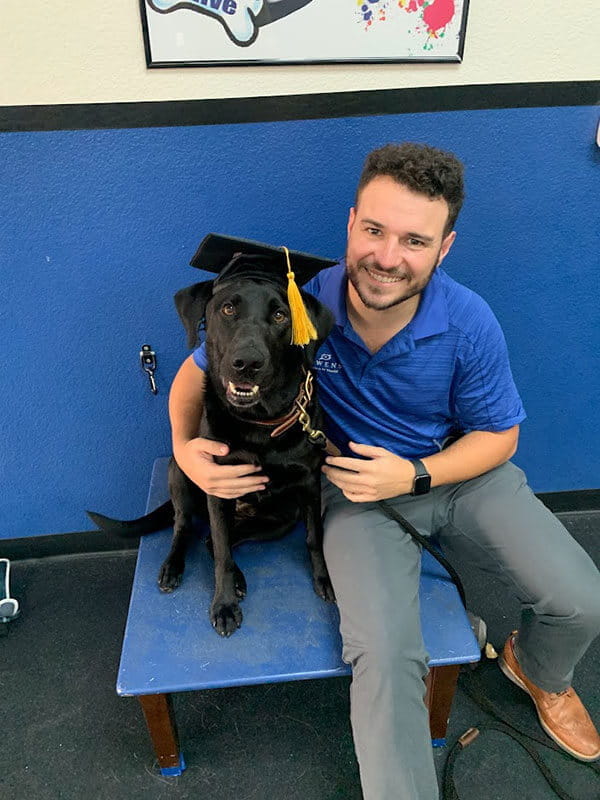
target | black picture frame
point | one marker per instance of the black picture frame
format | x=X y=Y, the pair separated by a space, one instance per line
x=272 y=11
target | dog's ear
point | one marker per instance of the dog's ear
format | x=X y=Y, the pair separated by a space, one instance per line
x=322 y=319
x=191 y=305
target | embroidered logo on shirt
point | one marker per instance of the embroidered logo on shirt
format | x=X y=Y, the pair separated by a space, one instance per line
x=325 y=363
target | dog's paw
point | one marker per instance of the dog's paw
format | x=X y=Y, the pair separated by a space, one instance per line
x=323 y=588
x=226 y=618
x=170 y=576
x=320 y=577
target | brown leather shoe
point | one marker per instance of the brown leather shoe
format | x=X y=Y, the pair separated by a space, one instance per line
x=562 y=714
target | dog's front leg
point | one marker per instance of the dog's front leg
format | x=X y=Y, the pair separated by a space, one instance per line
x=311 y=511
x=225 y=612
x=185 y=497
x=171 y=571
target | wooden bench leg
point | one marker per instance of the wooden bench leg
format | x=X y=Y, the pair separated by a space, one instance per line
x=160 y=719
x=441 y=685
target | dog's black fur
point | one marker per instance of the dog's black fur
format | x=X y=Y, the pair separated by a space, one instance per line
x=248 y=334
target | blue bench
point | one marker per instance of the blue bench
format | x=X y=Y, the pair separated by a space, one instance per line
x=288 y=632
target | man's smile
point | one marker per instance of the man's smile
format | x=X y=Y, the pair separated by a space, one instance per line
x=382 y=277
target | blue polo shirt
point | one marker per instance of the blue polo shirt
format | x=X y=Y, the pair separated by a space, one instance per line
x=446 y=371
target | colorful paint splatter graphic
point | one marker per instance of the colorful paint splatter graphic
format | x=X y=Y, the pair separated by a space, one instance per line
x=433 y=16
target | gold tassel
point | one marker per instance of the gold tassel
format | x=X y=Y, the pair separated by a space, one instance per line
x=303 y=330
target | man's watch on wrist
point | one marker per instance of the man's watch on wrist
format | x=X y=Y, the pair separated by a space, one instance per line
x=422 y=481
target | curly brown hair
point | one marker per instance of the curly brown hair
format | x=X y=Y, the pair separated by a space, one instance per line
x=421 y=169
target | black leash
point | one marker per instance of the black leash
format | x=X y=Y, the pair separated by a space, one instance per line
x=475 y=690
x=391 y=512
x=479 y=696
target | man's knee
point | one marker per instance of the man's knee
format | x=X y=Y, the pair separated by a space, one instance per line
x=393 y=652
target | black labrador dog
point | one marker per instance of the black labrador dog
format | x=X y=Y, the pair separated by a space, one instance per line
x=260 y=400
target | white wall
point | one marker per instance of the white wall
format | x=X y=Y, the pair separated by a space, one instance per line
x=90 y=51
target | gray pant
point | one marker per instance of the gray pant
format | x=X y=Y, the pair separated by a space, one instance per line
x=494 y=521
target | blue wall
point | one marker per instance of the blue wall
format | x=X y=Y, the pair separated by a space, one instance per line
x=97 y=228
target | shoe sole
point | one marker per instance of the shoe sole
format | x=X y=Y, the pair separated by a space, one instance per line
x=518 y=682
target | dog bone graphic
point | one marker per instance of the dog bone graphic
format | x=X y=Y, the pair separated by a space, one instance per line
x=237 y=16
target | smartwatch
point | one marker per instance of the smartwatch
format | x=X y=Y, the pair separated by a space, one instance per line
x=422 y=482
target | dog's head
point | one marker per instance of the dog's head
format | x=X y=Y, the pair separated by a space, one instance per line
x=248 y=335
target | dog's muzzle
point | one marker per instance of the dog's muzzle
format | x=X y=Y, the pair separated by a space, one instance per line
x=241 y=394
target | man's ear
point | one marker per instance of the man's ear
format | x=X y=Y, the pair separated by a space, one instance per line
x=351 y=218
x=323 y=320
x=447 y=243
x=191 y=305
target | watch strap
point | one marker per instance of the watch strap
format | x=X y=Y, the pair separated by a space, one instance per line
x=420 y=468
x=422 y=482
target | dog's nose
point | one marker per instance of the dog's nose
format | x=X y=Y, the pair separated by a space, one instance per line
x=248 y=364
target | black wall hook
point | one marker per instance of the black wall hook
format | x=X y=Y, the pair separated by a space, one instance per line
x=148 y=364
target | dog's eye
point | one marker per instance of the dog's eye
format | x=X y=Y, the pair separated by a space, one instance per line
x=228 y=309
x=280 y=316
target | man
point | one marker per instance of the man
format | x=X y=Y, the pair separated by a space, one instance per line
x=417 y=387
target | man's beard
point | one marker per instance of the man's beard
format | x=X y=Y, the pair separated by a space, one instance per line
x=413 y=288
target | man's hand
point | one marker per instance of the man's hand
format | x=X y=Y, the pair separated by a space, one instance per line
x=382 y=476
x=196 y=458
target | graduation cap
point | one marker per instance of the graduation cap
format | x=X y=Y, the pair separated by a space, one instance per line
x=232 y=258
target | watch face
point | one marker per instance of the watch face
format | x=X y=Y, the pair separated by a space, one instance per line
x=422 y=484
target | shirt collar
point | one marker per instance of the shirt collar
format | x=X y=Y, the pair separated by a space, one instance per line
x=432 y=314
x=431 y=317
x=334 y=294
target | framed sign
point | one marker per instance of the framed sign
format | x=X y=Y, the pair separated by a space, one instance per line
x=194 y=33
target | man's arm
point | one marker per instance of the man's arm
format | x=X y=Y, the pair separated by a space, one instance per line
x=186 y=401
x=194 y=455
x=379 y=474
x=472 y=455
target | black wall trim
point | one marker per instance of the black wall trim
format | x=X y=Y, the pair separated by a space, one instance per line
x=92 y=116
x=568 y=502
x=59 y=544
x=64 y=544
